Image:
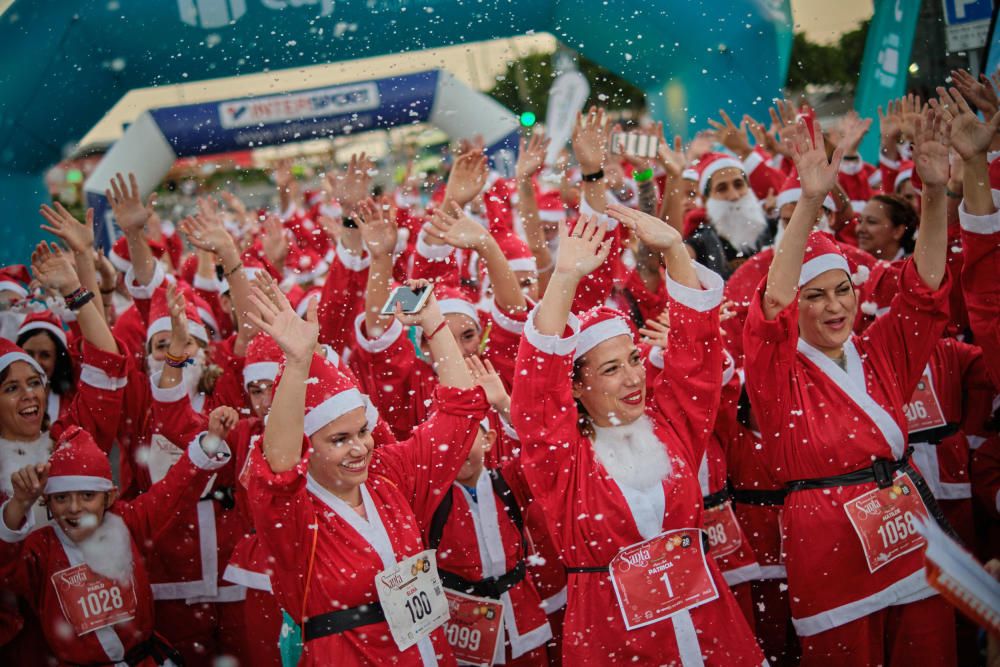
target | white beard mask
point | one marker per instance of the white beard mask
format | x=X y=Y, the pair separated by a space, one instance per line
x=632 y=454
x=10 y=322
x=851 y=167
x=905 y=149
x=191 y=373
x=108 y=551
x=740 y=222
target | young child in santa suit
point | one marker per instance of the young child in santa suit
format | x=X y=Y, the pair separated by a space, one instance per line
x=84 y=574
x=617 y=472
x=830 y=410
x=334 y=512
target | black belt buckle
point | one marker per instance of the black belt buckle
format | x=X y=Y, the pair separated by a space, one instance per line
x=882 y=469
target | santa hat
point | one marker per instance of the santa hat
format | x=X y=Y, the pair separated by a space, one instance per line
x=122 y=260
x=159 y=316
x=44 y=320
x=904 y=174
x=822 y=255
x=329 y=394
x=303 y=297
x=710 y=163
x=791 y=192
x=264 y=356
x=598 y=325
x=205 y=312
x=15 y=278
x=78 y=464
x=550 y=207
x=451 y=301
x=305 y=265
x=9 y=353
x=517 y=252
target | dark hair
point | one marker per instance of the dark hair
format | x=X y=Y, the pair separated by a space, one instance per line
x=45 y=414
x=63 y=377
x=584 y=423
x=900 y=212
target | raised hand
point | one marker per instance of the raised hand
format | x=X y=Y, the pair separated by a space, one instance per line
x=531 y=155
x=273 y=240
x=295 y=336
x=206 y=230
x=428 y=317
x=969 y=135
x=853 y=129
x=817 y=174
x=657 y=331
x=930 y=148
x=467 y=179
x=764 y=137
x=590 y=140
x=78 y=236
x=130 y=213
x=176 y=308
x=730 y=135
x=52 y=267
x=911 y=107
x=29 y=483
x=484 y=375
x=355 y=183
x=377 y=224
x=981 y=93
x=222 y=420
x=584 y=249
x=653 y=232
x=671 y=158
x=456 y=229
x=890 y=124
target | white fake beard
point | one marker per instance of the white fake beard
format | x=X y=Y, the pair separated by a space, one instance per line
x=851 y=167
x=822 y=226
x=740 y=222
x=10 y=322
x=905 y=149
x=191 y=373
x=108 y=551
x=16 y=455
x=632 y=454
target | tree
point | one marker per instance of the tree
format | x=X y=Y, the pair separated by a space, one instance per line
x=819 y=64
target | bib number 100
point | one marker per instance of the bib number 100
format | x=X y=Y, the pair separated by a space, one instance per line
x=101 y=602
x=419 y=606
x=898 y=529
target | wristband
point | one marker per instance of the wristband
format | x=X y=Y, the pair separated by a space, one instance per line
x=596 y=176
x=436 y=330
x=953 y=195
x=642 y=176
x=79 y=298
x=239 y=265
x=178 y=362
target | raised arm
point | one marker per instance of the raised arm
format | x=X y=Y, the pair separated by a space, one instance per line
x=52 y=267
x=590 y=144
x=457 y=229
x=378 y=230
x=530 y=159
x=297 y=339
x=930 y=156
x=179 y=348
x=817 y=175
x=78 y=237
x=131 y=215
x=661 y=238
x=971 y=139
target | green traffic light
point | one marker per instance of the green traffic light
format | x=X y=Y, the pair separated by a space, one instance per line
x=528 y=118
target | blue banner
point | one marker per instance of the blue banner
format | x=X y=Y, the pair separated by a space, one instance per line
x=886 y=61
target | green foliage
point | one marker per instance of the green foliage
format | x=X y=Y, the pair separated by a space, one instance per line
x=820 y=64
x=525 y=86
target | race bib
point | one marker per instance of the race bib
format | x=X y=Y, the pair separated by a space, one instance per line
x=883 y=521
x=924 y=412
x=474 y=628
x=412 y=598
x=724 y=533
x=658 y=578
x=90 y=602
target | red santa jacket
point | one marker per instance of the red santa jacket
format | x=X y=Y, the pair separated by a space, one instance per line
x=981 y=250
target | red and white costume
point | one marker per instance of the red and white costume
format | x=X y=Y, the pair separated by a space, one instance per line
x=592 y=517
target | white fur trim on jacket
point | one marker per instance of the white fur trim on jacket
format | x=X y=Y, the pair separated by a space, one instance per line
x=703 y=300
x=10 y=535
x=97 y=378
x=144 y=291
x=437 y=253
x=552 y=344
x=351 y=261
x=981 y=224
x=382 y=342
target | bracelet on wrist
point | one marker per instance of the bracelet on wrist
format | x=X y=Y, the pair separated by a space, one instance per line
x=951 y=193
x=239 y=265
x=643 y=176
x=178 y=361
x=438 y=328
x=78 y=298
x=596 y=176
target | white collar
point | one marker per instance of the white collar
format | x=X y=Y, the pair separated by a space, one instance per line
x=373 y=530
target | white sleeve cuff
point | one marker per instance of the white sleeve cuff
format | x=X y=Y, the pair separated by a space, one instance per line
x=508 y=430
x=10 y=535
x=556 y=345
x=505 y=322
x=728 y=369
x=144 y=291
x=998 y=503
x=437 y=253
x=585 y=209
x=97 y=378
x=981 y=224
x=886 y=162
x=656 y=356
x=212 y=284
x=203 y=460
x=383 y=342
x=702 y=300
x=170 y=395
x=754 y=160
x=352 y=262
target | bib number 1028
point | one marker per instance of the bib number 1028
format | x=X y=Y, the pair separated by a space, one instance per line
x=101 y=602
x=419 y=606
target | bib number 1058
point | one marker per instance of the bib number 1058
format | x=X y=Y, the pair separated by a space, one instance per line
x=419 y=606
x=898 y=529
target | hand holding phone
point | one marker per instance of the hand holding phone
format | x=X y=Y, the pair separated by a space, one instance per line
x=410 y=300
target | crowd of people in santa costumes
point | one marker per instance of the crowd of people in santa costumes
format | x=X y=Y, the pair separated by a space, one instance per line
x=642 y=413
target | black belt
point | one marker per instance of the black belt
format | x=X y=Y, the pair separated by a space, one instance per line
x=490 y=587
x=881 y=472
x=758 y=497
x=713 y=500
x=155 y=647
x=585 y=570
x=224 y=495
x=934 y=436
x=335 y=622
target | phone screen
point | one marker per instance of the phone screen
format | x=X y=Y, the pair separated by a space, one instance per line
x=410 y=300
